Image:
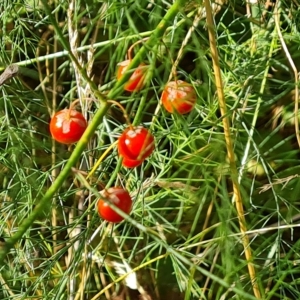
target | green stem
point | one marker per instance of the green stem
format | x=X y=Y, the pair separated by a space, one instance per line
x=141 y=106
x=156 y=35
x=153 y=40
x=102 y=44
x=116 y=91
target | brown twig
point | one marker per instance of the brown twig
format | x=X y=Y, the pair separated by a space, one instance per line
x=10 y=72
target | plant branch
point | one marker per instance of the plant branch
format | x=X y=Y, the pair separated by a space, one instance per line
x=81 y=145
x=230 y=151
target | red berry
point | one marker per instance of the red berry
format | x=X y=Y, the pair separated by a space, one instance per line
x=135 y=144
x=120 y=198
x=179 y=96
x=67 y=126
x=130 y=163
x=136 y=81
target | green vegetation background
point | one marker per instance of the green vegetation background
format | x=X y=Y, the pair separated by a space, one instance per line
x=182 y=240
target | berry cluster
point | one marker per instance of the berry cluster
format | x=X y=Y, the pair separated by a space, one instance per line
x=178 y=96
x=135 y=144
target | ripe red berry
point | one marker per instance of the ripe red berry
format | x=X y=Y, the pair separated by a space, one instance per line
x=135 y=145
x=120 y=198
x=179 y=96
x=130 y=163
x=67 y=126
x=136 y=81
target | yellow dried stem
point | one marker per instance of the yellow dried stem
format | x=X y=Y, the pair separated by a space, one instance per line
x=229 y=146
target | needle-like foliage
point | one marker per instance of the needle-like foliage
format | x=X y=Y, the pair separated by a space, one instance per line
x=186 y=237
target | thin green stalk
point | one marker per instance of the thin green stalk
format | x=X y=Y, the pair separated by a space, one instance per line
x=157 y=34
x=117 y=90
x=153 y=40
x=141 y=106
x=257 y=109
x=278 y=282
x=63 y=53
x=277 y=13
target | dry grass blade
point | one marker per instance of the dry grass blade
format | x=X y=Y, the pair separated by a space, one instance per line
x=229 y=146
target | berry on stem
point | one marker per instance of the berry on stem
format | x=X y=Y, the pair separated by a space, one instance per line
x=179 y=96
x=136 y=81
x=67 y=126
x=120 y=198
x=135 y=145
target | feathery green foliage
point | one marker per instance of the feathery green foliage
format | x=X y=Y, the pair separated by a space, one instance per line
x=182 y=239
